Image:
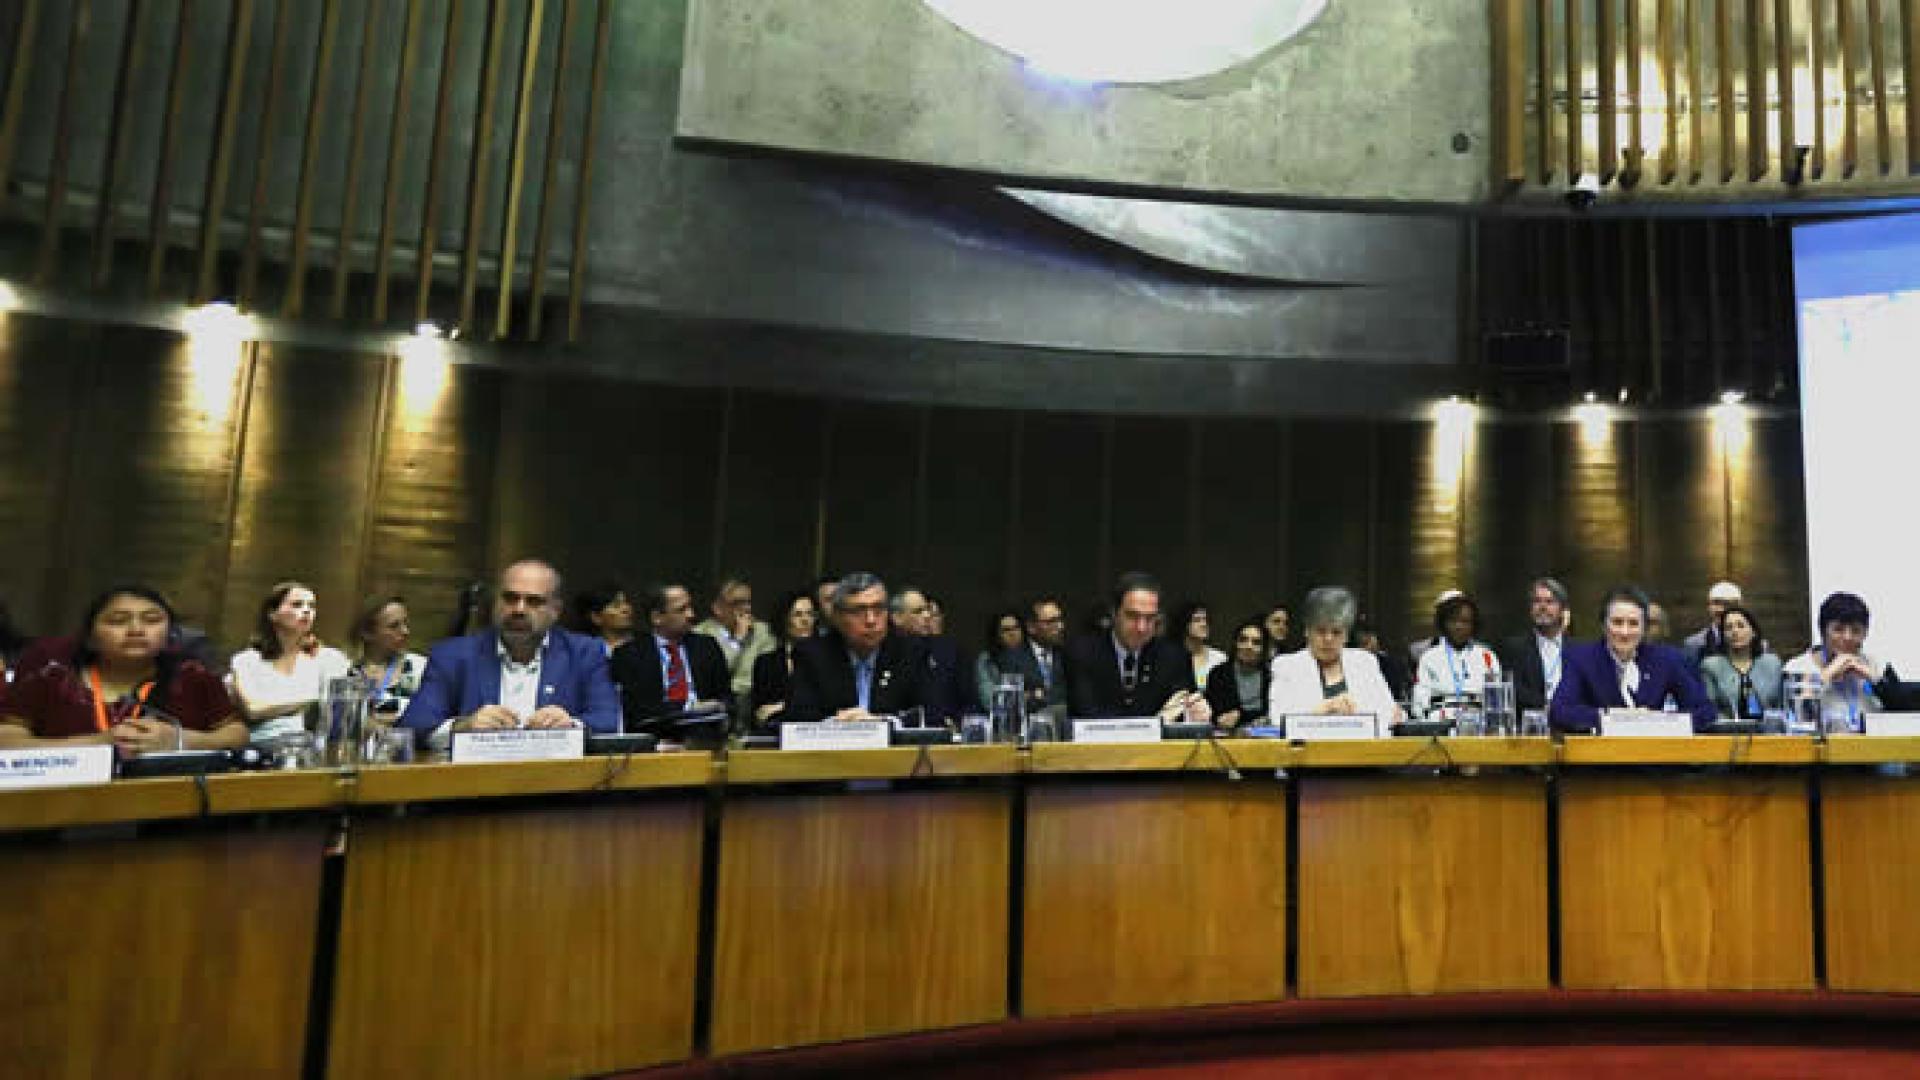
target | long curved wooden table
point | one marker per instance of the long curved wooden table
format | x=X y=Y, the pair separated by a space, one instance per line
x=578 y=918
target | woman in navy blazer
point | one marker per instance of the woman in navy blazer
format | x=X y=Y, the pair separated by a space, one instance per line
x=1593 y=672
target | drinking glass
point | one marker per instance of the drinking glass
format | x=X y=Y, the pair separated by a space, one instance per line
x=1497 y=695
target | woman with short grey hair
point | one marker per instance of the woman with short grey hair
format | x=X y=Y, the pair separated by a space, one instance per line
x=1327 y=676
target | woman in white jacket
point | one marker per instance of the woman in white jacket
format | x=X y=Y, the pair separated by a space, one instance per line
x=1459 y=663
x=1326 y=677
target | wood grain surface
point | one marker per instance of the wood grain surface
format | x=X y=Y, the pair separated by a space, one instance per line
x=519 y=943
x=161 y=956
x=856 y=915
x=893 y=763
x=1154 y=895
x=1870 y=850
x=169 y=797
x=1685 y=882
x=1422 y=885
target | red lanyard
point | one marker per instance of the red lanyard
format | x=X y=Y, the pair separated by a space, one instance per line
x=100 y=700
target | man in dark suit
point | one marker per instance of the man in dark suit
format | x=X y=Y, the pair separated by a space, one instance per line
x=1131 y=670
x=1046 y=640
x=522 y=672
x=1534 y=658
x=672 y=670
x=858 y=670
x=911 y=611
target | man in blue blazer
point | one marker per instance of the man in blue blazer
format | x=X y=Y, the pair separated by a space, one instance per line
x=523 y=672
x=1598 y=674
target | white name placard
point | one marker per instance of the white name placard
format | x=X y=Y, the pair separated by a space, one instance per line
x=1892 y=723
x=56 y=766
x=835 y=735
x=1332 y=727
x=1646 y=723
x=1120 y=729
x=548 y=744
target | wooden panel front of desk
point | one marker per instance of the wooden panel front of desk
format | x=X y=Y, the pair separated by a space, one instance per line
x=852 y=915
x=1870 y=847
x=1422 y=885
x=1153 y=892
x=1684 y=881
x=182 y=955
x=521 y=941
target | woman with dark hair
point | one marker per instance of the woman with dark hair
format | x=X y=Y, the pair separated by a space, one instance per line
x=1624 y=671
x=284 y=668
x=1237 y=690
x=1004 y=653
x=1852 y=683
x=1742 y=678
x=1459 y=663
x=393 y=674
x=604 y=612
x=121 y=685
x=794 y=622
x=1191 y=630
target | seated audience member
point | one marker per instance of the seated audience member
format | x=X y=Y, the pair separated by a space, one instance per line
x=823 y=590
x=1659 y=630
x=1392 y=667
x=1004 y=653
x=1327 y=677
x=1131 y=670
x=284 y=668
x=605 y=612
x=743 y=639
x=1741 y=677
x=1625 y=670
x=522 y=672
x=1191 y=630
x=948 y=690
x=1417 y=649
x=1237 y=690
x=1707 y=640
x=1046 y=640
x=670 y=670
x=1279 y=622
x=857 y=670
x=936 y=617
x=392 y=673
x=773 y=671
x=1852 y=682
x=1460 y=664
x=1534 y=659
x=120 y=684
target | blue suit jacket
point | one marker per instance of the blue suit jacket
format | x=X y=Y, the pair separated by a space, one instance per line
x=463 y=674
x=1589 y=682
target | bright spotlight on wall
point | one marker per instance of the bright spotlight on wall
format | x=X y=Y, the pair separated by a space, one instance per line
x=218 y=323
x=1595 y=419
x=8 y=298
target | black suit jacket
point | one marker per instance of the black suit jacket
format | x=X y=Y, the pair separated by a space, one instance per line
x=823 y=678
x=635 y=667
x=1093 y=672
x=949 y=680
x=1521 y=659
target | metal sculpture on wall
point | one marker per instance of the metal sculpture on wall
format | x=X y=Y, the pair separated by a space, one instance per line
x=1132 y=41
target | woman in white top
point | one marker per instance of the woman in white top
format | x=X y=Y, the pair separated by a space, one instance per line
x=1458 y=663
x=285 y=668
x=392 y=673
x=1852 y=683
x=1190 y=630
x=1326 y=676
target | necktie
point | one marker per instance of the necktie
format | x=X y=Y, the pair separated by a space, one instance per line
x=1629 y=678
x=1046 y=667
x=863 y=682
x=676 y=676
x=1130 y=670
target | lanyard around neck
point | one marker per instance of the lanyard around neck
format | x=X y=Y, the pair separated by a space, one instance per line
x=100 y=700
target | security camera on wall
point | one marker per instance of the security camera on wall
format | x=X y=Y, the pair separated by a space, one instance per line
x=1584 y=192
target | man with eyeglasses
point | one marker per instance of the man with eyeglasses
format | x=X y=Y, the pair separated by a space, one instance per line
x=1046 y=638
x=858 y=671
x=1133 y=670
x=743 y=639
x=522 y=672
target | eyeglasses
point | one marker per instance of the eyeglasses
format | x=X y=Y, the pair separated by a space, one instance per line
x=864 y=610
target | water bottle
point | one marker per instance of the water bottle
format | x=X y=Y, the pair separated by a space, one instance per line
x=1805 y=694
x=1008 y=710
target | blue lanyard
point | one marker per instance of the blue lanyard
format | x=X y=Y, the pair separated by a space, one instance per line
x=386 y=679
x=1453 y=670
